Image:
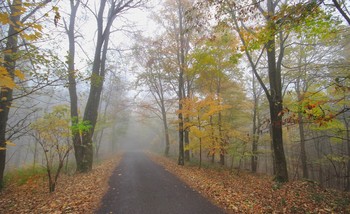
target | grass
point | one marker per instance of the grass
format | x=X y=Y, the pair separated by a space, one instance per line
x=22 y=175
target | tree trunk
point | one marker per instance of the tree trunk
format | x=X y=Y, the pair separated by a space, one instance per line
x=347 y=140
x=96 y=86
x=281 y=174
x=275 y=102
x=256 y=127
x=9 y=64
x=166 y=130
x=181 y=59
x=76 y=138
x=254 y=159
x=299 y=90
x=222 y=141
x=302 y=146
x=187 y=142
x=275 y=98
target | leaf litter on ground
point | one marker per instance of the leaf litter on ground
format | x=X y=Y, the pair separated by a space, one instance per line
x=251 y=193
x=78 y=193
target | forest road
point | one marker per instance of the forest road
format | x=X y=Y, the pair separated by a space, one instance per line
x=140 y=186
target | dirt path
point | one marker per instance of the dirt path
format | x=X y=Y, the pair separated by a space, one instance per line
x=138 y=185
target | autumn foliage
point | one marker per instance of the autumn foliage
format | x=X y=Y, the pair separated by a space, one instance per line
x=79 y=193
x=250 y=193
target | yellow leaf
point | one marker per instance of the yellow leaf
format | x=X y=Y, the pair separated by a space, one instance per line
x=2 y=148
x=5 y=79
x=19 y=74
x=4 y=18
x=9 y=143
x=29 y=37
x=38 y=27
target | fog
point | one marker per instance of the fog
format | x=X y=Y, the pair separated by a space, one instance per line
x=140 y=135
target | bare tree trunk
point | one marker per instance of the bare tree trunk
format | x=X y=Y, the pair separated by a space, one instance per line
x=187 y=142
x=347 y=140
x=302 y=146
x=222 y=142
x=166 y=130
x=254 y=159
x=181 y=59
x=299 y=90
x=76 y=138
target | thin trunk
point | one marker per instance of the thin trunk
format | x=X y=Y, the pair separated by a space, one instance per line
x=181 y=160
x=200 y=152
x=254 y=159
x=166 y=131
x=187 y=132
x=200 y=139
x=9 y=64
x=76 y=138
x=96 y=86
x=187 y=142
x=213 y=139
x=35 y=156
x=222 y=142
x=347 y=140
x=221 y=137
x=181 y=58
x=298 y=88
x=302 y=146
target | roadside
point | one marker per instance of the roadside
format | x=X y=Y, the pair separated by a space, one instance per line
x=78 y=193
x=249 y=193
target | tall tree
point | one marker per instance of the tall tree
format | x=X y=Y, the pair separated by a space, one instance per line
x=104 y=26
x=16 y=18
x=72 y=88
x=155 y=61
x=274 y=25
x=213 y=62
x=181 y=69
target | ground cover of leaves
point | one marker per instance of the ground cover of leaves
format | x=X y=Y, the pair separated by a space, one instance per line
x=78 y=193
x=248 y=193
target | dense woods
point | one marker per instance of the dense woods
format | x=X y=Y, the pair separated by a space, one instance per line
x=258 y=86
x=261 y=86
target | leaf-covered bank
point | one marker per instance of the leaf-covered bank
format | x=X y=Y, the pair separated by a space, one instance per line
x=79 y=193
x=249 y=193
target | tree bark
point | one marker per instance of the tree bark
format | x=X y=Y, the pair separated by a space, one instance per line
x=98 y=73
x=256 y=125
x=303 y=156
x=187 y=142
x=275 y=103
x=347 y=140
x=275 y=98
x=76 y=138
x=181 y=59
x=9 y=64
x=166 y=129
